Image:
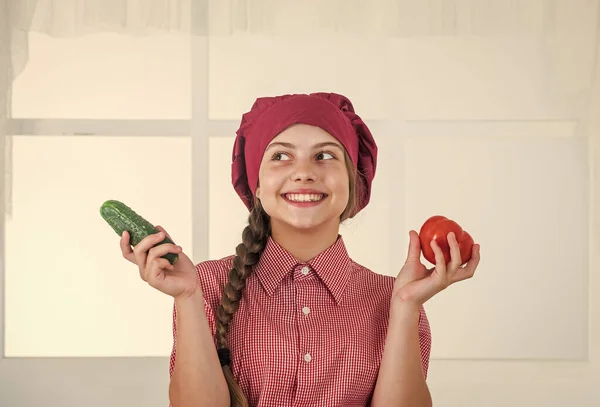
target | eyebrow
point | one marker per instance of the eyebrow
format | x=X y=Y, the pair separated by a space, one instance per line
x=318 y=145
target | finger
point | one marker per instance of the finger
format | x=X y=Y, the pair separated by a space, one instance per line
x=414 y=247
x=126 y=249
x=440 y=260
x=455 y=259
x=156 y=270
x=468 y=270
x=164 y=231
x=156 y=253
x=161 y=250
x=141 y=249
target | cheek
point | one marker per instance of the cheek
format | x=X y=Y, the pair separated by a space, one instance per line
x=340 y=184
x=269 y=184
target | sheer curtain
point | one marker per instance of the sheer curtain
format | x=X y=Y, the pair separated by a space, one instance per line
x=568 y=27
x=69 y=18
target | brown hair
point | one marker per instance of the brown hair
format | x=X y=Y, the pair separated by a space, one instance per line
x=254 y=239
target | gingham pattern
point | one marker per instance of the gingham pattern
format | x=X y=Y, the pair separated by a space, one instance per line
x=306 y=334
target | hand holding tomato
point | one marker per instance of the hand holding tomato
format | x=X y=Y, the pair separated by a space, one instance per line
x=415 y=283
x=437 y=228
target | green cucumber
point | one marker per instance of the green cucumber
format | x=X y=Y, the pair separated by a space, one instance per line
x=122 y=218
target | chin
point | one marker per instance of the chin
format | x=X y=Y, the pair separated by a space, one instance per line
x=302 y=225
x=309 y=223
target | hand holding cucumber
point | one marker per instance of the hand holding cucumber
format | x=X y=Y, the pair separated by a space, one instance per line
x=162 y=264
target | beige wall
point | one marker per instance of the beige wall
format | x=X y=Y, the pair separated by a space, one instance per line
x=483 y=131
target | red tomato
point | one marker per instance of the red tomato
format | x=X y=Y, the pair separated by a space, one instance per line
x=437 y=228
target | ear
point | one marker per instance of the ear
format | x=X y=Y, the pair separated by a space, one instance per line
x=257 y=193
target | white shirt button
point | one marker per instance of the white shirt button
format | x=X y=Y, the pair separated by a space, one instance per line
x=307 y=357
x=306 y=310
x=305 y=270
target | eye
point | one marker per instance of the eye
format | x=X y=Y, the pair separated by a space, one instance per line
x=280 y=157
x=325 y=155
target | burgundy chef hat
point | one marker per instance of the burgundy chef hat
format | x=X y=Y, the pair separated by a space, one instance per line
x=269 y=116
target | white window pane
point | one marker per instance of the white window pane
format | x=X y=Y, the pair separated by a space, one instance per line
x=273 y=66
x=227 y=214
x=449 y=78
x=370 y=235
x=105 y=76
x=366 y=236
x=524 y=199
x=69 y=292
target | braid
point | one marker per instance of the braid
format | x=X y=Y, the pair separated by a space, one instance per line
x=254 y=239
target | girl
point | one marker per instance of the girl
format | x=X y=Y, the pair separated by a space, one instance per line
x=291 y=319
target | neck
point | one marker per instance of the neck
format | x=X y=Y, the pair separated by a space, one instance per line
x=304 y=244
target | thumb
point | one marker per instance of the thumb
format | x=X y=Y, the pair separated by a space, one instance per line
x=164 y=231
x=414 y=247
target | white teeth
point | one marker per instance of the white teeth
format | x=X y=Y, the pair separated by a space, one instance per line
x=304 y=197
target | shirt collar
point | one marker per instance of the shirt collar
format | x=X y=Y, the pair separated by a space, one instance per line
x=333 y=266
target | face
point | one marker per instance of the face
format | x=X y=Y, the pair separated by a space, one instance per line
x=303 y=179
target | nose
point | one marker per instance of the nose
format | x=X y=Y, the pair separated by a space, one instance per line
x=304 y=172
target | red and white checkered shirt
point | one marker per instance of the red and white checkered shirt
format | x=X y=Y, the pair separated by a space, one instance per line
x=306 y=334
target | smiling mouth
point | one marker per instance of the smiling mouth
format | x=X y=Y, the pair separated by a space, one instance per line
x=304 y=197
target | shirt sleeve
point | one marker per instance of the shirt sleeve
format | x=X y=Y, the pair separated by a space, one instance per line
x=211 y=275
x=424 y=340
